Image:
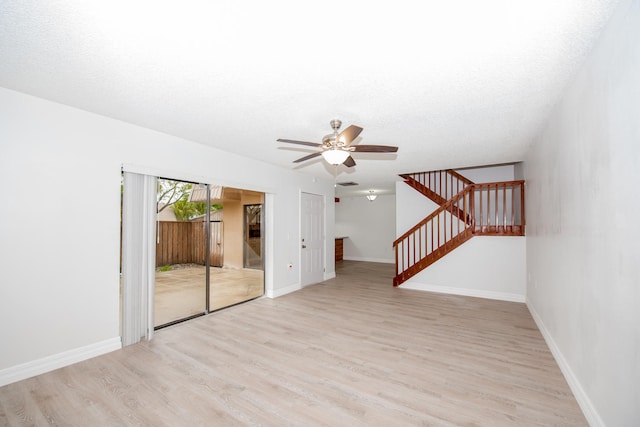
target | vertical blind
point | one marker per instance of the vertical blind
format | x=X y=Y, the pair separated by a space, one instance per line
x=138 y=256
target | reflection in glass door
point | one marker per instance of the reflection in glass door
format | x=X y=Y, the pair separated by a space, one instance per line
x=181 y=243
x=253 y=241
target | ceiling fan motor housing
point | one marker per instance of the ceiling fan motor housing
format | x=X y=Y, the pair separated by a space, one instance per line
x=328 y=141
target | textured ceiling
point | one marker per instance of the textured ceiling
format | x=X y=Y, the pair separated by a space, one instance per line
x=453 y=84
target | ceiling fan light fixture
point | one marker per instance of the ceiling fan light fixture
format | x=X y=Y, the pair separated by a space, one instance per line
x=371 y=196
x=335 y=156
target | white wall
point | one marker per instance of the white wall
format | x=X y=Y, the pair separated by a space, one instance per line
x=485 y=267
x=583 y=227
x=411 y=208
x=368 y=226
x=488 y=267
x=59 y=291
x=488 y=174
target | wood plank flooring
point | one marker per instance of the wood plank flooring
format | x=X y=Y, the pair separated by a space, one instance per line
x=352 y=351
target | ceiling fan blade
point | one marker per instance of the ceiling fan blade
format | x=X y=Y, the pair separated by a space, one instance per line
x=374 y=148
x=349 y=162
x=293 y=141
x=310 y=156
x=349 y=134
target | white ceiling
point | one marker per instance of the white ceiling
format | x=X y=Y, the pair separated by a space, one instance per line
x=452 y=84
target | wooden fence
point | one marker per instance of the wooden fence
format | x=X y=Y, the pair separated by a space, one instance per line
x=185 y=243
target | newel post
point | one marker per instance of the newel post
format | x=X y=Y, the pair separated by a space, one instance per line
x=472 y=206
x=522 y=205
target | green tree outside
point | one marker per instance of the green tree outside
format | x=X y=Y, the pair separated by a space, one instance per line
x=175 y=194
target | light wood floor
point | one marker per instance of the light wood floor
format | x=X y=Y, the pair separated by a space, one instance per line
x=352 y=351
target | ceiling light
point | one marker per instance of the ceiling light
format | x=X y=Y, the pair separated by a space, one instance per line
x=371 y=196
x=335 y=157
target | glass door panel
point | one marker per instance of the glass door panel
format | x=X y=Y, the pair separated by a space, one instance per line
x=180 y=286
x=241 y=277
x=253 y=236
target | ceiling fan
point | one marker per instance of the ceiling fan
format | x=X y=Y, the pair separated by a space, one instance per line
x=336 y=148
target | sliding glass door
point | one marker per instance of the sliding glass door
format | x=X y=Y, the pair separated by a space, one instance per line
x=209 y=252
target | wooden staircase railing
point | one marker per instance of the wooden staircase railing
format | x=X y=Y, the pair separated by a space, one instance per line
x=439 y=186
x=499 y=209
x=479 y=209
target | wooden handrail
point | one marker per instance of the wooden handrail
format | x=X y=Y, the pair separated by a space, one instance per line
x=503 y=183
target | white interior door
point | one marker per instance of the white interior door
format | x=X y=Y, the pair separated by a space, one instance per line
x=312 y=239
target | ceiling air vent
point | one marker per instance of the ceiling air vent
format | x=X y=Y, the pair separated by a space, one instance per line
x=348 y=184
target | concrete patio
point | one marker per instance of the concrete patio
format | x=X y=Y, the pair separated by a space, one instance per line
x=181 y=292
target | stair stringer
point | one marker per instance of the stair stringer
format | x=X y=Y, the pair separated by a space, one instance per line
x=420 y=182
x=425 y=191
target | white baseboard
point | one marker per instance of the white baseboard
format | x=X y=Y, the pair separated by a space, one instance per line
x=60 y=360
x=382 y=260
x=275 y=293
x=478 y=293
x=328 y=276
x=589 y=411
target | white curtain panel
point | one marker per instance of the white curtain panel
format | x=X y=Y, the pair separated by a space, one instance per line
x=138 y=256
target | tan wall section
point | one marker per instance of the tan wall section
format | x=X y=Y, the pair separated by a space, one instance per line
x=232 y=233
x=233 y=207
